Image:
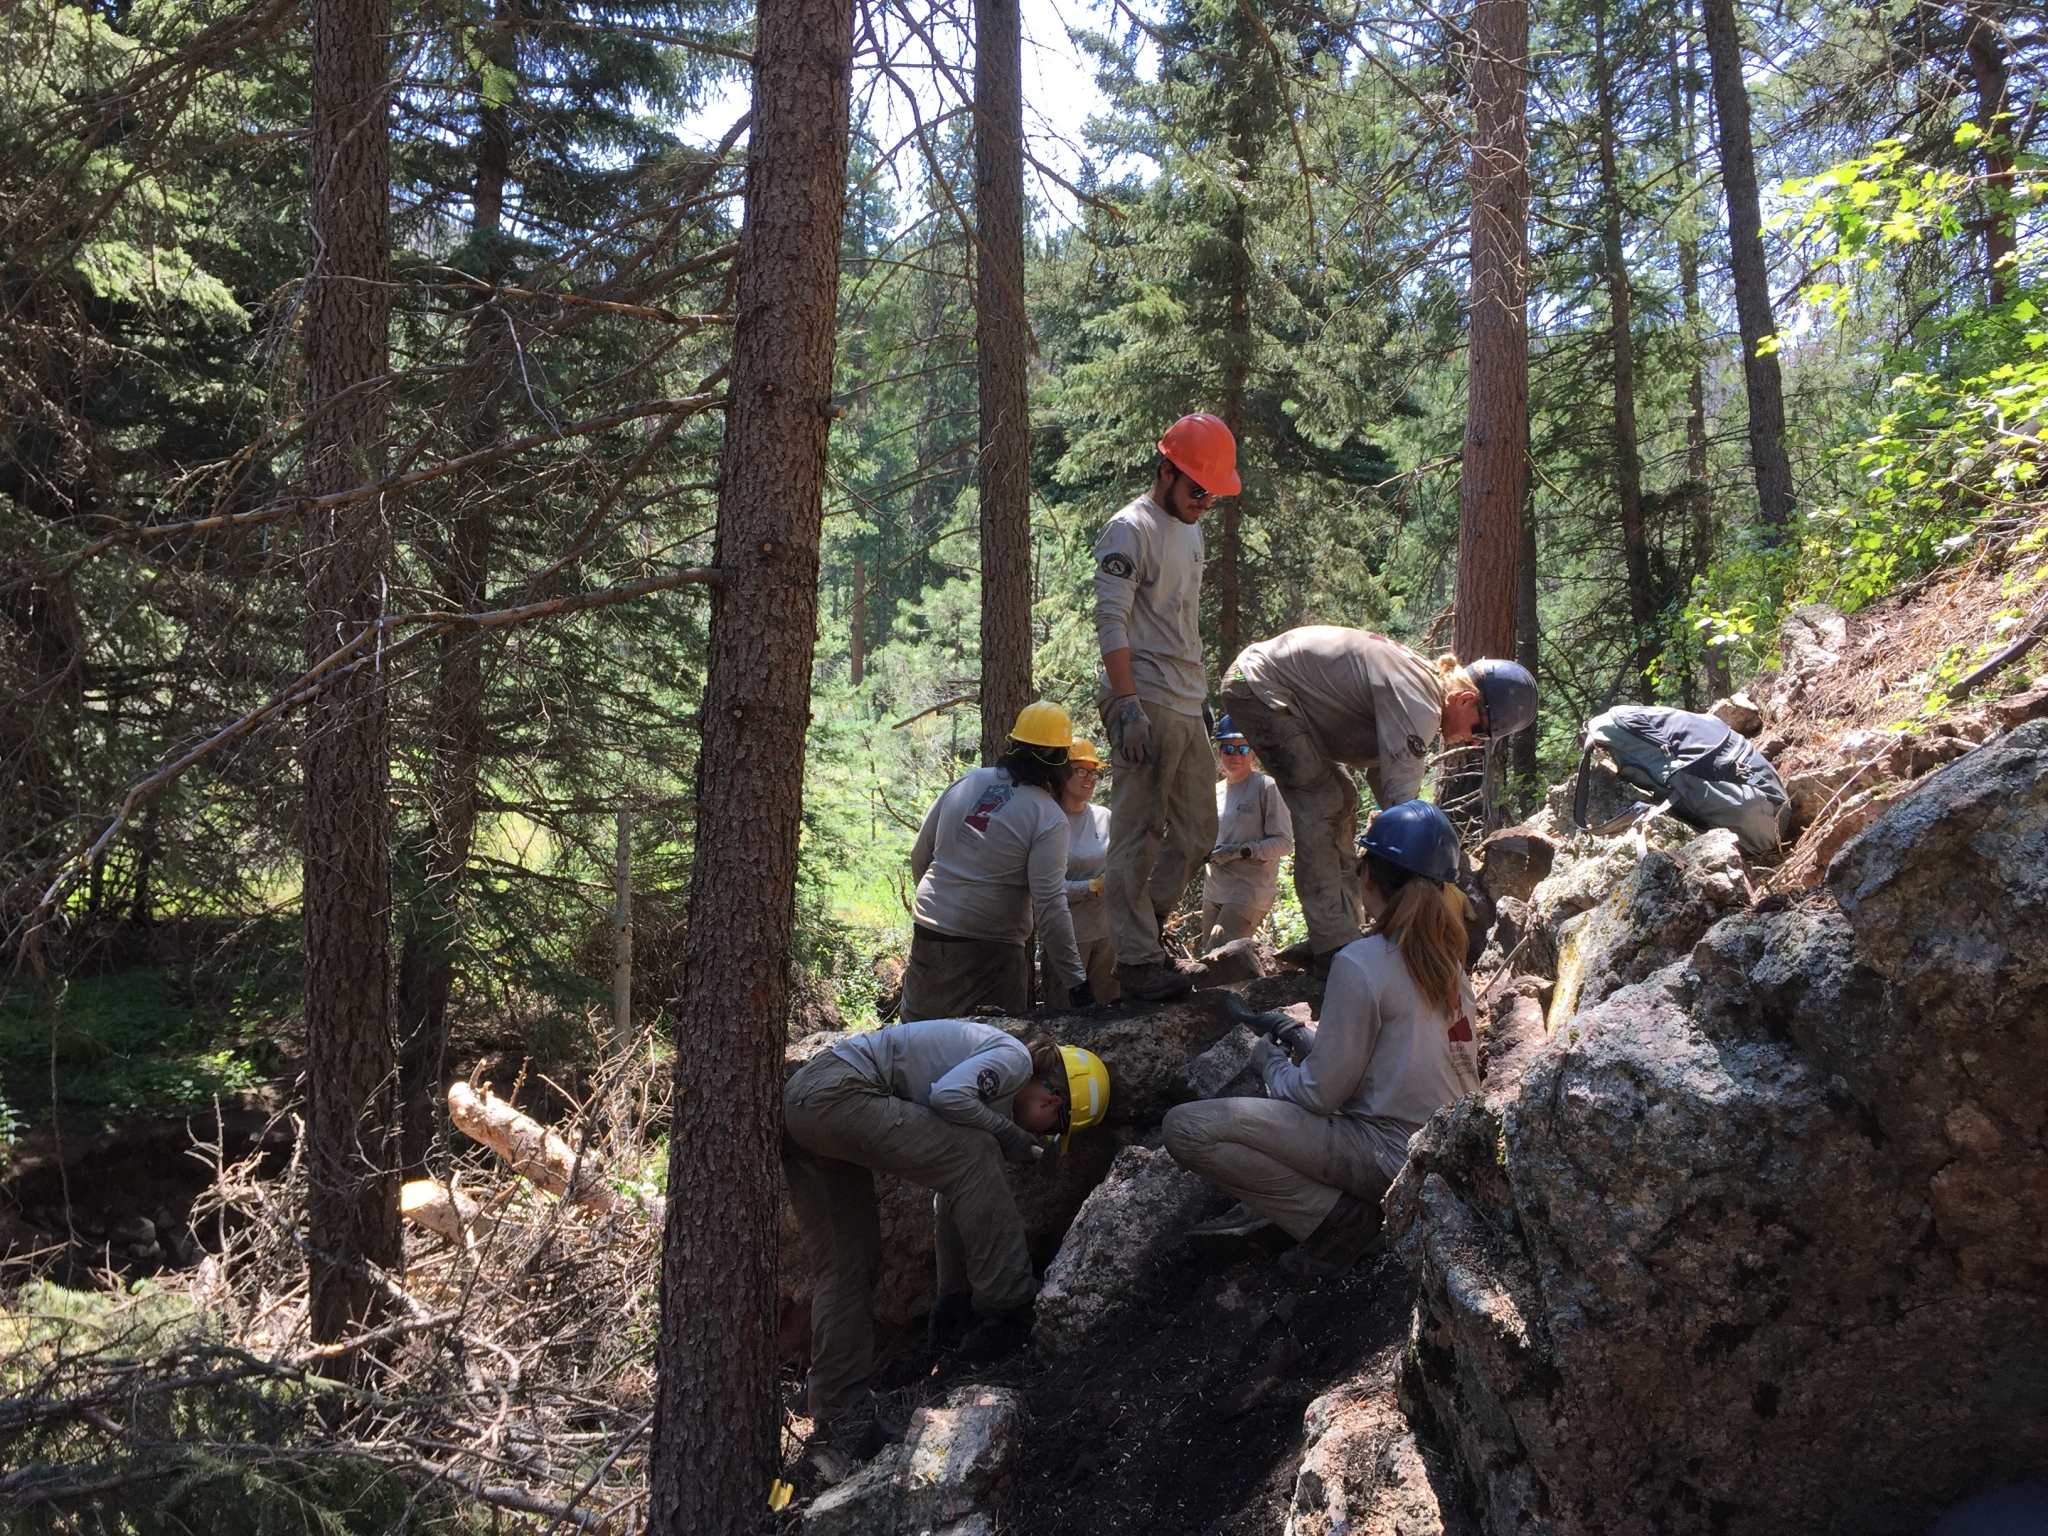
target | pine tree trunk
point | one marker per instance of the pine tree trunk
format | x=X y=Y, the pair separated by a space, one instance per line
x=350 y=1051
x=1528 y=647
x=1991 y=74
x=426 y=971
x=1763 y=382
x=716 y=1414
x=1237 y=357
x=1628 y=462
x=1002 y=337
x=1494 y=483
x=1699 y=495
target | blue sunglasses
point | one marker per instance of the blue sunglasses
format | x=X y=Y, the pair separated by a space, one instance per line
x=1236 y=751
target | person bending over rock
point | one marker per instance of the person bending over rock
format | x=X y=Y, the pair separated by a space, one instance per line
x=1394 y=1046
x=1314 y=699
x=989 y=860
x=941 y=1103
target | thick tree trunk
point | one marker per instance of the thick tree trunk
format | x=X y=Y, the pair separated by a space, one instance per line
x=716 y=1415
x=1628 y=462
x=1002 y=338
x=426 y=972
x=1237 y=359
x=1699 y=495
x=1495 y=476
x=1528 y=648
x=1991 y=74
x=1764 y=385
x=350 y=1052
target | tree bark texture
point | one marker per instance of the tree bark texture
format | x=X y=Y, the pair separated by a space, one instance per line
x=1628 y=460
x=1002 y=338
x=716 y=1415
x=1494 y=482
x=351 y=1055
x=1762 y=380
x=1991 y=74
x=1528 y=650
x=426 y=972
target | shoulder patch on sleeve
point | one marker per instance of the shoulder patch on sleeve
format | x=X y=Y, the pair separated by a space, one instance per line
x=1417 y=747
x=1119 y=566
x=986 y=1084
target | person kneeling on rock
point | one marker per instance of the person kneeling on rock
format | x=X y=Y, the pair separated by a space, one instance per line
x=940 y=1103
x=1395 y=1045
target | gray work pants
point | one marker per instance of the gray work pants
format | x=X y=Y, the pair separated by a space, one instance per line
x=1098 y=959
x=1284 y=1162
x=1323 y=800
x=950 y=978
x=1227 y=920
x=1162 y=822
x=838 y=1127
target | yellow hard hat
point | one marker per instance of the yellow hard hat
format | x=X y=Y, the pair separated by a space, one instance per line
x=1087 y=1088
x=1082 y=753
x=1043 y=724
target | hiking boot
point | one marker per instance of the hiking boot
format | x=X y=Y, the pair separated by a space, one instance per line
x=948 y=1321
x=1349 y=1233
x=1157 y=980
x=996 y=1337
x=1239 y=1221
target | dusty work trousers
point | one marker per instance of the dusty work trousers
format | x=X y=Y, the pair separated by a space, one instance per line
x=1284 y=1162
x=1098 y=959
x=950 y=978
x=1162 y=821
x=1224 y=921
x=1323 y=800
x=838 y=1127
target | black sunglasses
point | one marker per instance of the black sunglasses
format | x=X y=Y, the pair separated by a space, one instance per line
x=1236 y=751
x=1195 y=491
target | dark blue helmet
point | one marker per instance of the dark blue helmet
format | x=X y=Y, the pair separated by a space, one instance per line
x=1416 y=836
x=1225 y=730
x=1508 y=694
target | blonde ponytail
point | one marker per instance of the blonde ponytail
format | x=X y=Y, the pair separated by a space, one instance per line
x=1429 y=939
x=1453 y=678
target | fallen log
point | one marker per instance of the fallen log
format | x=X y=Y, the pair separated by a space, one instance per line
x=531 y=1149
x=443 y=1211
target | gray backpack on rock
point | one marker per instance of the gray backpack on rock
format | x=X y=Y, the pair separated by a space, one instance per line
x=1710 y=775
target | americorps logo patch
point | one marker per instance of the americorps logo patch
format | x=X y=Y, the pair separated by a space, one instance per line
x=986 y=1083
x=1118 y=566
x=1417 y=747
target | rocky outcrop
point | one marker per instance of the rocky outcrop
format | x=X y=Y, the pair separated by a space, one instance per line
x=1652 y=917
x=1759 y=1242
x=1364 y=1473
x=943 y=1477
x=1120 y=1247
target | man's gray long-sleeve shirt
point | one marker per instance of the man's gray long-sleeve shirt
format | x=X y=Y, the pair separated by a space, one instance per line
x=965 y=1071
x=1148 y=599
x=990 y=858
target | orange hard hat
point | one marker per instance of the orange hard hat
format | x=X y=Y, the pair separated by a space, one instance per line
x=1201 y=447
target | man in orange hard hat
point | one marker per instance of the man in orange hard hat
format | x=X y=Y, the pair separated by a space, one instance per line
x=1148 y=603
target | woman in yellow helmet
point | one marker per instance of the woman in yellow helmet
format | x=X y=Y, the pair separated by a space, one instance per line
x=941 y=1103
x=1087 y=862
x=991 y=864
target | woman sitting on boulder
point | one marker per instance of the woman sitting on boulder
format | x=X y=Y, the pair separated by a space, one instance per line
x=940 y=1103
x=1394 y=1046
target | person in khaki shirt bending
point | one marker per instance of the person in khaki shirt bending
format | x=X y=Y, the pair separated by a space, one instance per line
x=1314 y=699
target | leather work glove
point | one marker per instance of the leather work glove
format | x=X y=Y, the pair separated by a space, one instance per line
x=1023 y=1148
x=1081 y=995
x=1095 y=886
x=1133 y=732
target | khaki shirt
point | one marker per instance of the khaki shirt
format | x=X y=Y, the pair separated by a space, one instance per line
x=1369 y=700
x=1148 y=599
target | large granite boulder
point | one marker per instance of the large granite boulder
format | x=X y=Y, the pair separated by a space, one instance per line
x=1364 y=1472
x=943 y=1477
x=1760 y=1243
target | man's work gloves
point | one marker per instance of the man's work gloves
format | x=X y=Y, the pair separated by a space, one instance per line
x=1095 y=886
x=1225 y=853
x=1133 y=731
x=1020 y=1146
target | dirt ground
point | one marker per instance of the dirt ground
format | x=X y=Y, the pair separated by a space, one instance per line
x=1188 y=1416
